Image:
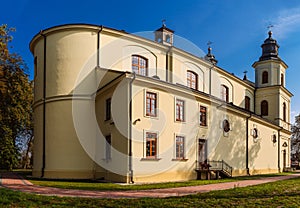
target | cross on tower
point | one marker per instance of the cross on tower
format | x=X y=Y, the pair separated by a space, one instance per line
x=164 y=22
x=209 y=43
x=270 y=26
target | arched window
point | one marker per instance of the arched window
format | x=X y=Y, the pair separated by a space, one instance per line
x=168 y=38
x=265 y=77
x=192 y=80
x=282 y=80
x=139 y=65
x=247 y=103
x=284 y=111
x=225 y=93
x=264 y=107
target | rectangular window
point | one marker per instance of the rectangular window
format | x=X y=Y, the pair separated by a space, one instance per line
x=151 y=104
x=151 y=145
x=247 y=103
x=35 y=66
x=108 y=109
x=108 y=147
x=203 y=116
x=179 y=147
x=179 y=110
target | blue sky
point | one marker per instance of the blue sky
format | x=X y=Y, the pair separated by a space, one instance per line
x=237 y=28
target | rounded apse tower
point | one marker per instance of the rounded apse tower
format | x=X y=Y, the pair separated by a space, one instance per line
x=59 y=55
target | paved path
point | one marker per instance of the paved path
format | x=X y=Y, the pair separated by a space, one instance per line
x=15 y=182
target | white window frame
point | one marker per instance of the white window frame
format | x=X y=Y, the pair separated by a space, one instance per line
x=145 y=103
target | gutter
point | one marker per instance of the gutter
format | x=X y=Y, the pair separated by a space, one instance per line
x=44 y=107
x=210 y=79
x=168 y=65
x=130 y=131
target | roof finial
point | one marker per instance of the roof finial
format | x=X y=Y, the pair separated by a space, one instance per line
x=164 y=23
x=209 y=48
x=269 y=28
x=245 y=75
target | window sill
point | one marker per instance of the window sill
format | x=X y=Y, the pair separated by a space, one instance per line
x=150 y=159
x=180 y=160
x=151 y=117
x=202 y=126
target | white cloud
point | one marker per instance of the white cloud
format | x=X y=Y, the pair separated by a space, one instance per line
x=286 y=22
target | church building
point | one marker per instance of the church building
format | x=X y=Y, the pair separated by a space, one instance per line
x=120 y=107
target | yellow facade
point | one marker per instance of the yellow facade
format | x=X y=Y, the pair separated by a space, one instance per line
x=92 y=117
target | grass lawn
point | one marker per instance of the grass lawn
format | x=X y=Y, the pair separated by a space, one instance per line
x=117 y=187
x=278 y=194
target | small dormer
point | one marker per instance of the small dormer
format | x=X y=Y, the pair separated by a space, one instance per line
x=164 y=35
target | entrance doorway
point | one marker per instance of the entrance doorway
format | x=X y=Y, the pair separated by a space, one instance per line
x=202 y=152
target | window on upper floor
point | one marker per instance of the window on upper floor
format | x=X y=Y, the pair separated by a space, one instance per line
x=151 y=104
x=247 y=103
x=225 y=93
x=139 y=65
x=264 y=108
x=282 y=79
x=179 y=110
x=284 y=111
x=192 y=80
x=203 y=116
x=265 y=77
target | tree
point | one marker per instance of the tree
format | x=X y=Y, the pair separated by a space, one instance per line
x=295 y=139
x=16 y=98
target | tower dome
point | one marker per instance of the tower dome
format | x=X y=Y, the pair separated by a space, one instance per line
x=269 y=49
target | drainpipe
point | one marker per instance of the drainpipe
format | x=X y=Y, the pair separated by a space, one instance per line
x=279 y=149
x=210 y=79
x=130 y=131
x=167 y=64
x=98 y=45
x=44 y=107
x=247 y=144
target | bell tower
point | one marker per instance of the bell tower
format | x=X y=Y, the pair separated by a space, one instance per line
x=164 y=35
x=272 y=99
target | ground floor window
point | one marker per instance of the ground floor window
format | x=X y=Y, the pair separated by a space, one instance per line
x=151 y=145
x=179 y=147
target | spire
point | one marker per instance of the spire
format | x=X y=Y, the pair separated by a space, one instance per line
x=209 y=56
x=269 y=48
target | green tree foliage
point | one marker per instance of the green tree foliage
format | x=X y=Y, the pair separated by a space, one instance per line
x=16 y=97
x=296 y=138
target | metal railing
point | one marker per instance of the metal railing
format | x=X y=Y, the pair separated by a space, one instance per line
x=215 y=165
